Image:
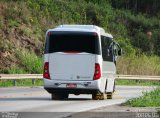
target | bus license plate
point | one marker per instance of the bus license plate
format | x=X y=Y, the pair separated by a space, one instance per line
x=71 y=85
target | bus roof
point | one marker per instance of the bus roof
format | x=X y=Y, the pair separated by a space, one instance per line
x=81 y=28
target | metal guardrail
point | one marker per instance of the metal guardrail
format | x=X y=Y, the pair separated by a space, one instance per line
x=15 y=77
x=137 y=77
x=40 y=76
x=20 y=76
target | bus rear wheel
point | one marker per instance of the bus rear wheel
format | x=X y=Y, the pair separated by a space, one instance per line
x=59 y=96
x=98 y=96
x=109 y=95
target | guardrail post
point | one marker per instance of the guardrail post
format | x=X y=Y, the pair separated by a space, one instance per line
x=14 y=82
x=33 y=82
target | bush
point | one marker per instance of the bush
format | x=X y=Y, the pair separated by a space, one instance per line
x=139 y=65
x=16 y=70
x=30 y=62
x=13 y=23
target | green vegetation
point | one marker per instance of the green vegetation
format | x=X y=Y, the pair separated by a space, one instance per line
x=138 y=82
x=149 y=99
x=24 y=82
x=139 y=65
x=23 y=25
x=29 y=62
x=134 y=24
x=33 y=62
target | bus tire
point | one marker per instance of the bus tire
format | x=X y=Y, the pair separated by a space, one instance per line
x=98 y=96
x=109 y=95
x=56 y=96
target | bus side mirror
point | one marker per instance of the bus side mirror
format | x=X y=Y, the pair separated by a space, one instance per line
x=109 y=52
x=120 y=52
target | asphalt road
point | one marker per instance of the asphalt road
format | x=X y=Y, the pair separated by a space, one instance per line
x=25 y=99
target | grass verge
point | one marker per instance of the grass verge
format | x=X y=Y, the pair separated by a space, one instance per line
x=24 y=82
x=148 y=99
x=138 y=82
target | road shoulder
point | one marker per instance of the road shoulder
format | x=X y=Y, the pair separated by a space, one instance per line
x=118 y=111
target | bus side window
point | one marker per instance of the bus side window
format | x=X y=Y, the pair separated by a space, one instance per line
x=107 y=48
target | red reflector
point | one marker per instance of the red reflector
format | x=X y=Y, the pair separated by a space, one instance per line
x=46 y=74
x=95 y=34
x=49 y=33
x=97 y=73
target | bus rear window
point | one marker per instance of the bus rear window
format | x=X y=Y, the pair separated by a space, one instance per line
x=73 y=42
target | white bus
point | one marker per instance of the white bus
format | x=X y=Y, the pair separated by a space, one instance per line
x=80 y=59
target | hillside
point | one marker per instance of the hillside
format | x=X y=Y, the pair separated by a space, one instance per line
x=23 y=25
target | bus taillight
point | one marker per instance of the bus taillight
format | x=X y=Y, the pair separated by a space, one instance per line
x=46 y=74
x=97 y=73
